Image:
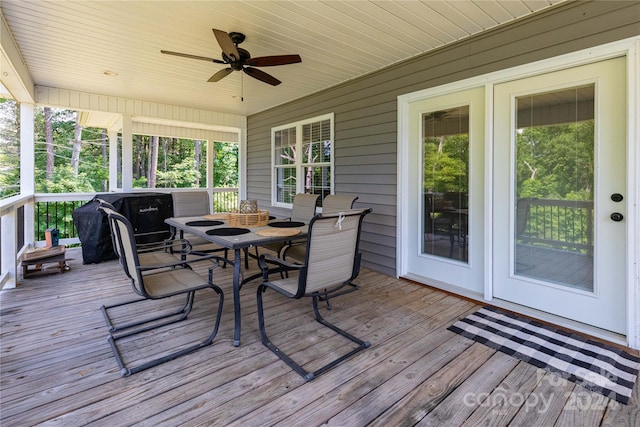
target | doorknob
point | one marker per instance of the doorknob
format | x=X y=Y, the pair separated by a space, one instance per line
x=617 y=216
x=617 y=197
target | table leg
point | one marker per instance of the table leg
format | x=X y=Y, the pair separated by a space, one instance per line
x=236 y=296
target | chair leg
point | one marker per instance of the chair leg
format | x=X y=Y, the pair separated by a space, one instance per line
x=308 y=376
x=126 y=371
x=248 y=254
x=353 y=287
x=267 y=343
x=361 y=344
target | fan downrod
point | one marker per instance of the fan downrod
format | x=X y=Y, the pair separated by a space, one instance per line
x=236 y=38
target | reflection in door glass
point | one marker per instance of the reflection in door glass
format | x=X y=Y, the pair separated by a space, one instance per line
x=554 y=188
x=445 y=183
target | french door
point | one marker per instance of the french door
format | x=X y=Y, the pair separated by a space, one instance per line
x=559 y=234
x=446 y=189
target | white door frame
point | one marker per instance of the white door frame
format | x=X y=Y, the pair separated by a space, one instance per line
x=628 y=47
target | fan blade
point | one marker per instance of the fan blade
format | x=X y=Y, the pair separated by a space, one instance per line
x=220 y=75
x=186 y=55
x=262 y=76
x=268 y=61
x=225 y=42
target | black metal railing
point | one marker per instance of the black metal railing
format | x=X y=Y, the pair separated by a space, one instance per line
x=57 y=213
x=561 y=224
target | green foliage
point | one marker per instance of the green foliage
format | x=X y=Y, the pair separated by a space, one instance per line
x=181 y=163
x=179 y=167
x=64 y=180
x=225 y=165
x=181 y=175
x=446 y=163
x=92 y=169
x=140 y=182
x=9 y=148
x=556 y=162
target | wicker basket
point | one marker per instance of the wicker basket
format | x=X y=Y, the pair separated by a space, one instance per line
x=257 y=219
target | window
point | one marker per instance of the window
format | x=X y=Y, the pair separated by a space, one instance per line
x=445 y=182
x=302 y=159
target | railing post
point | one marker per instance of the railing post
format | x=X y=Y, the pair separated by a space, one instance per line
x=29 y=223
x=9 y=250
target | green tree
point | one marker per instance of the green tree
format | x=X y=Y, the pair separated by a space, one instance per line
x=9 y=148
x=181 y=175
x=556 y=162
x=225 y=165
x=446 y=161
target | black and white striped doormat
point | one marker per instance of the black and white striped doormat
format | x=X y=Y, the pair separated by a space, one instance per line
x=598 y=367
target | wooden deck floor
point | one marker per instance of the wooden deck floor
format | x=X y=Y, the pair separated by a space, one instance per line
x=57 y=367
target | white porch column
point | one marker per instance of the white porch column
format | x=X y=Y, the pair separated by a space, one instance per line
x=9 y=224
x=127 y=153
x=113 y=160
x=27 y=168
x=211 y=154
x=9 y=247
x=242 y=163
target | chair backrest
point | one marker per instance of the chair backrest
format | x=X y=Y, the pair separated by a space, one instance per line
x=108 y=208
x=338 y=202
x=125 y=247
x=304 y=207
x=332 y=258
x=191 y=203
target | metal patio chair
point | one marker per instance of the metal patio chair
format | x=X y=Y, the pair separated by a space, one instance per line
x=332 y=261
x=149 y=254
x=297 y=250
x=304 y=208
x=331 y=203
x=195 y=203
x=154 y=281
x=338 y=202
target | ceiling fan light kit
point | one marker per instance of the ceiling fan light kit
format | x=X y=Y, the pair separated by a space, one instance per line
x=239 y=59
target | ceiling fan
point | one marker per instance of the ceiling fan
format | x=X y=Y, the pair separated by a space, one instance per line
x=239 y=59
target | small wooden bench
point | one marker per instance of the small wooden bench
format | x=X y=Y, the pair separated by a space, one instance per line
x=44 y=261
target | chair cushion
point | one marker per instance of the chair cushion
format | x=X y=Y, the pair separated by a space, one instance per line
x=172 y=281
x=289 y=285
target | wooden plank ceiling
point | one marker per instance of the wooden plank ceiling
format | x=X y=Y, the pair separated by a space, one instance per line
x=113 y=47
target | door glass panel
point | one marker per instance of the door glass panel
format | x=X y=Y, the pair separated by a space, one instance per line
x=554 y=189
x=445 y=183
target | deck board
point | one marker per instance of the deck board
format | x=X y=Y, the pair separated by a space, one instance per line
x=57 y=367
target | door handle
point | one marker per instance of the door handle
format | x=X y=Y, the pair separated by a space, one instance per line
x=617 y=216
x=617 y=197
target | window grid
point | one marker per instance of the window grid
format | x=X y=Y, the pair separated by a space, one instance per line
x=304 y=150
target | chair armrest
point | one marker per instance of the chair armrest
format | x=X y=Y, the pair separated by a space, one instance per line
x=183 y=263
x=179 y=246
x=281 y=264
x=282 y=253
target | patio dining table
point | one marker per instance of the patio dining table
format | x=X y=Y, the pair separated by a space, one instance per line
x=237 y=243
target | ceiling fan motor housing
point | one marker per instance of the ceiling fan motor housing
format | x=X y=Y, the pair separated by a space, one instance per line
x=237 y=65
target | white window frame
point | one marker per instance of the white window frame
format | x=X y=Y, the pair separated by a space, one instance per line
x=299 y=164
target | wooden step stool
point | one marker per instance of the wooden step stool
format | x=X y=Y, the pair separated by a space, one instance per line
x=44 y=261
